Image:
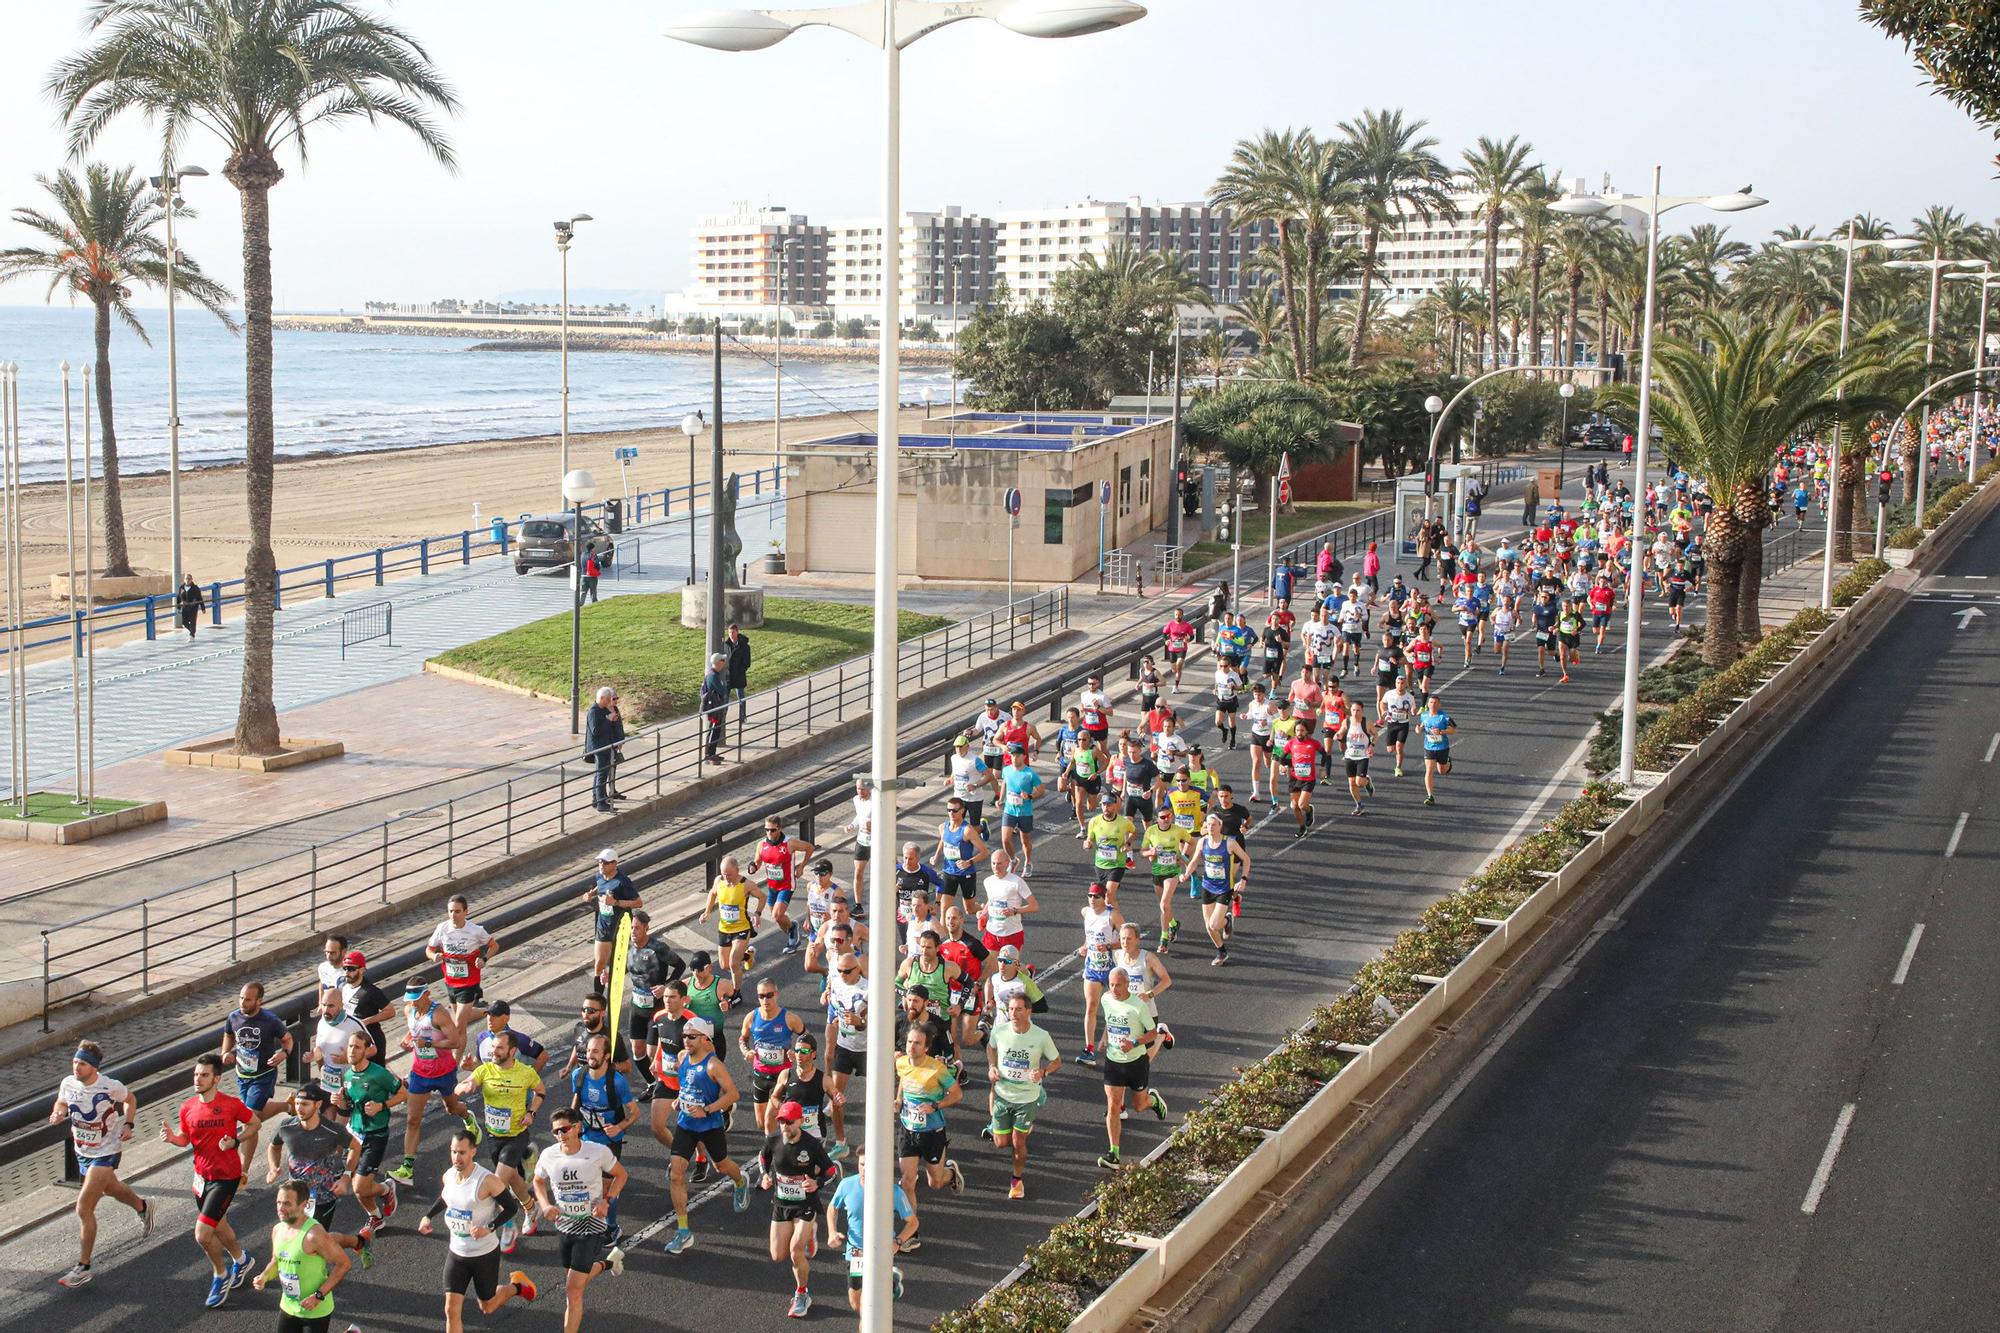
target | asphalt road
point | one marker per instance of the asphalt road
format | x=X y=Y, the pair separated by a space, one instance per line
x=1655 y=1146
x=1317 y=909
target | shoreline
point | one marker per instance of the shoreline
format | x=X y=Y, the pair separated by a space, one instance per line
x=500 y=335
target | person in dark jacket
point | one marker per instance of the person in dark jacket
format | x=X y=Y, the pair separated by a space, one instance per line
x=189 y=604
x=737 y=645
x=715 y=702
x=601 y=733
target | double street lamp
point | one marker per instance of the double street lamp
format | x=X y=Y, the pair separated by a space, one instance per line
x=565 y=233
x=1935 y=265
x=168 y=183
x=891 y=25
x=1987 y=279
x=1850 y=243
x=1655 y=204
x=578 y=487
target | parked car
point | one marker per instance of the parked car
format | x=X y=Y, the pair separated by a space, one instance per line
x=546 y=541
x=1601 y=435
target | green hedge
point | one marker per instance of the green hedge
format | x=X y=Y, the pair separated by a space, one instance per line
x=1082 y=1256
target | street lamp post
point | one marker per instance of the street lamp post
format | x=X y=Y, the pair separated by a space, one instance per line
x=951 y=353
x=168 y=183
x=891 y=25
x=691 y=426
x=1851 y=244
x=1896 y=423
x=1656 y=204
x=1936 y=265
x=577 y=487
x=565 y=233
x=1566 y=391
x=1986 y=279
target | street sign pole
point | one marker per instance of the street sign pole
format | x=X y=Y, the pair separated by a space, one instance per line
x=1280 y=484
x=1013 y=503
x=1103 y=506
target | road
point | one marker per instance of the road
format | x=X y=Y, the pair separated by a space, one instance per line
x=1763 y=1099
x=1318 y=909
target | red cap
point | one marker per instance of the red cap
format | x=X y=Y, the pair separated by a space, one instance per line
x=791 y=1111
x=354 y=959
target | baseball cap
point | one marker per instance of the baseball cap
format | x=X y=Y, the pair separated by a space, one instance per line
x=608 y=854
x=961 y=739
x=1017 y=748
x=992 y=703
x=312 y=1092
x=700 y=1025
x=699 y=961
x=1097 y=890
x=822 y=867
x=1009 y=954
x=791 y=1111
x=805 y=1041
x=499 y=1009
x=354 y=958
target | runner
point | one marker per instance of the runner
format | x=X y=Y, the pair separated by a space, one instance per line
x=329 y=1049
x=480 y=1049
x=707 y=1095
x=593 y=1020
x=649 y=965
x=971 y=780
x=512 y=1094
x=925 y=1089
x=847 y=1038
x=460 y=949
x=1019 y=1058
x=1138 y=778
x=1228 y=684
x=916 y=879
x=311 y=1149
x=1149 y=980
x=1437 y=727
x=477 y=1206
x=844 y=1218
x=1357 y=743
x=1303 y=754
x=1503 y=628
x=804 y=1082
x=1130 y=1035
x=1165 y=849
x=862 y=826
x=368 y=1092
x=1008 y=900
x=1423 y=658
x=1023 y=785
x=1209 y=874
x=1603 y=597
x=1086 y=778
x=257 y=1042
x=1179 y=634
x=1545 y=612
x=795 y=1167
x=767 y=1034
x=708 y=995
x=1100 y=931
x=100 y=1112
x=1095 y=705
x=612 y=896
x=778 y=861
x=986 y=725
x=1149 y=683
x=1110 y=835
x=333 y=949
x=1569 y=636
x=1399 y=708
x=208 y=1122
x=1260 y=712
x=306 y=1262
x=434 y=1041
x=368 y=1003
x=603 y=1097
x=820 y=895
x=576 y=1185
x=967 y=953
x=731 y=898
x=1017 y=730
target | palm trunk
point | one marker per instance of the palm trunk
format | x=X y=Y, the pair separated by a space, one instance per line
x=1852 y=477
x=117 y=561
x=1493 y=279
x=1752 y=512
x=1575 y=279
x=1315 y=248
x=1535 y=312
x=1367 y=282
x=1603 y=324
x=1293 y=327
x=1723 y=545
x=1907 y=447
x=256 y=712
x=1457 y=338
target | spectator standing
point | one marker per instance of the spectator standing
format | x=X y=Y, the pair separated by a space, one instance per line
x=715 y=703
x=737 y=645
x=1371 y=568
x=1425 y=547
x=189 y=604
x=591 y=571
x=601 y=733
x=1531 y=503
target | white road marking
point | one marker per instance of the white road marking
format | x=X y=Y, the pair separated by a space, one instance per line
x=1951 y=848
x=1991 y=746
x=1972 y=576
x=1825 y=1172
x=1909 y=956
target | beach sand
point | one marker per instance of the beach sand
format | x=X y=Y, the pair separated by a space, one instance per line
x=340 y=504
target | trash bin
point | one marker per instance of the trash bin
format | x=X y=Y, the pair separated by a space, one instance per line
x=500 y=533
x=614 y=515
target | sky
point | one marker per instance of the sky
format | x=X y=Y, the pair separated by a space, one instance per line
x=584 y=108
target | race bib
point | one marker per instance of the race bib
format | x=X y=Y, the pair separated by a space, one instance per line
x=1098 y=959
x=692 y=1109
x=1016 y=1065
x=289 y=1284
x=731 y=913
x=1108 y=853
x=331 y=1078
x=792 y=1189
x=574 y=1201
x=457 y=969
x=246 y=1063
x=499 y=1119
x=642 y=999
x=86 y=1136
x=606 y=909
x=770 y=1055
x=458 y=1221
x=773 y=873
x=916 y=1115
x=854 y=1263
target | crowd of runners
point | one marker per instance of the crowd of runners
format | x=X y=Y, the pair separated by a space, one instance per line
x=747 y=1079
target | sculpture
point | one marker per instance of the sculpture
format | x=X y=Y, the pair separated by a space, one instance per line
x=732 y=542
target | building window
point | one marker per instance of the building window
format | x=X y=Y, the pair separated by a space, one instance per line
x=1054 y=503
x=1146 y=484
x=1124 y=491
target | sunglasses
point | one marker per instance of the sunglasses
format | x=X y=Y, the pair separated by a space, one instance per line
x=849 y=971
x=592 y=1009
x=767 y=995
x=350 y=969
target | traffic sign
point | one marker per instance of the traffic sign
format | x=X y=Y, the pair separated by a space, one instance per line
x=627 y=453
x=1285 y=466
x=1103 y=492
x=1013 y=500
x=1284 y=491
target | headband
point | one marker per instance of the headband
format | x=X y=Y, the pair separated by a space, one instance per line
x=86 y=1057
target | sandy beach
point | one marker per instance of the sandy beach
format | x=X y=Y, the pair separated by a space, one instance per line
x=340 y=504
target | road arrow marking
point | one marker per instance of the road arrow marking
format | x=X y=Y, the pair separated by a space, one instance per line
x=1968 y=615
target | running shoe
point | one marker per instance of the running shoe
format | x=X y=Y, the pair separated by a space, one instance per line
x=986 y=1133
x=1399 y=770
x=1110 y=1161
x=218 y=1292
x=1158 y=1102
x=838 y=1149
x=239 y=1269
x=524 y=1286
x=749 y=959
x=367 y=1232
x=802 y=1301
x=896 y=1283
x=77 y=1276
x=957 y=1184
x=912 y=1245
x=404 y=1172
x=1016 y=1190
x=389 y=1206
x=530 y=1223
x=791 y=947
x=510 y=1236
x=367 y=1252
x=615 y=1257
x=680 y=1241
x=471 y=1123
x=699 y=1171
x=1089 y=1056
x=1173 y=929
x=1221 y=957
x=146 y=1221
x=739 y=1198
x=1430 y=800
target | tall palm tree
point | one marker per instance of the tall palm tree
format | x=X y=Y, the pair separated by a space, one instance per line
x=103 y=242
x=1537 y=225
x=1500 y=172
x=1288 y=179
x=1574 y=245
x=1710 y=260
x=1390 y=172
x=1461 y=304
x=256 y=74
x=1260 y=313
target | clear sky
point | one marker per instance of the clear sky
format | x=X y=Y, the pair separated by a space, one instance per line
x=583 y=107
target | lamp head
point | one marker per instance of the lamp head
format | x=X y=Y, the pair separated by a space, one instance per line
x=727 y=29
x=1581 y=206
x=691 y=424
x=1068 y=18
x=1433 y=404
x=1566 y=390
x=1895 y=243
x=1906 y=265
x=578 y=485
x=1803 y=244
x=1735 y=203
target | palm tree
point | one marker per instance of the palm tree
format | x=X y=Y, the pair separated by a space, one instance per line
x=1537 y=223
x=257 y=74
x=1461 y=304
x=1574 y=245
x=1390 y=172
x=1501 y=174
x=1288 y=179
x=1253 y=424
x=1731 y=396
x=1710 y=261
x=103 y=242
x=1260 y=312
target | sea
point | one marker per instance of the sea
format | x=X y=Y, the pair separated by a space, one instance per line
x=353 y=392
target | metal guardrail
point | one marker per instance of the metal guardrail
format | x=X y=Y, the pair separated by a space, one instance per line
x=703 y=848
x=206 y=922
x=1786 y=548
x=323 y=578
x=363 y=624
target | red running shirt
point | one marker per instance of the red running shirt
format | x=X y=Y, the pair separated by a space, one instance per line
x=206 y=1125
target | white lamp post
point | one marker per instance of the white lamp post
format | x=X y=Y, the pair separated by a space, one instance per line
x=1850 y=243
x=890 y=25
x=692 y=426
x=1935 y=265
x=1656 y=204
x=577 y=487
x=565 y=233
x=1566 y=391
x=1986 y=279
x=168 y=183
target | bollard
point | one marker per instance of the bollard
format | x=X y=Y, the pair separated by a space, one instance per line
x=378 y=566
x=76 y=633
x=45 y=981
x=152 y=629
x=72 y=1169
x=424 y=556
x=562 y=796
x=450 y=836
x=277 y=590
x=215 y=602
x=145 y=947
x=232 y=916
x=312 y=900
x=385 y=861
x=656 y=759
x=329 y=578
x=465 y=548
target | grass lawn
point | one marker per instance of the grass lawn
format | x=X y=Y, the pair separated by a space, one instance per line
x=1306 y=514
x=637 y=645
x=59 y=807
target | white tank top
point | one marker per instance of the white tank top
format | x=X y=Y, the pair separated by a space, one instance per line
x=1135 y=970
x=1098 y=933
x=464 y=1210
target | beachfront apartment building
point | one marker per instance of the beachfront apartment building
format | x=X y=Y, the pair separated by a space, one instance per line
x=758 y=258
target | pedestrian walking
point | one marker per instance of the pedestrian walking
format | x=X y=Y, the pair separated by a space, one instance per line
x=1371 y=568
x=737 y=645
x=715 y=702
x=1426 y=547
x=1531 y=503
x=591 y=571
x=601 y=733
x=189 y=604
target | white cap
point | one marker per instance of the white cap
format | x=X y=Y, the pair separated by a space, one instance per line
x=701 y=1025
x=606 y=855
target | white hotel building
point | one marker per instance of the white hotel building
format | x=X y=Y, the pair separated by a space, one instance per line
x=750 y=261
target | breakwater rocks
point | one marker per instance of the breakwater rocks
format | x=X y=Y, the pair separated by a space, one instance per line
x=503 y=338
